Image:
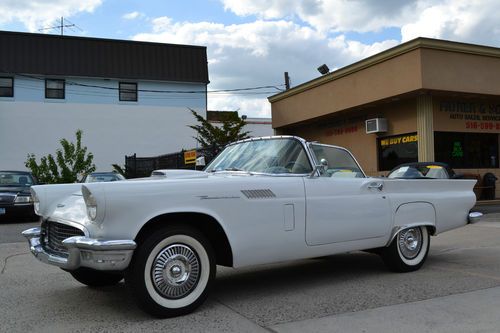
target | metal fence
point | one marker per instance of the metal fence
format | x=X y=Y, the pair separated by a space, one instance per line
x=136 y=167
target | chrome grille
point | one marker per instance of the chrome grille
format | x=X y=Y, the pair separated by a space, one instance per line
x=53 y=233
x=7 y=198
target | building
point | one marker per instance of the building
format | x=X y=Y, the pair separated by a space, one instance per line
x=127 y=97
x=256 y=126
x=424 y=100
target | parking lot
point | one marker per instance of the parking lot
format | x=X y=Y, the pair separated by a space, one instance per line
x=457 y=290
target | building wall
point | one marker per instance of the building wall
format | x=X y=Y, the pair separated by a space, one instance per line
x=393 y=77
x=156 y=124
x=259 y=127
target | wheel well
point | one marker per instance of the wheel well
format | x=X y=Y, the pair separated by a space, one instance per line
x=205 y=223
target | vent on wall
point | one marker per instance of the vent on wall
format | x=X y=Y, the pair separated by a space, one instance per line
x=376 y=125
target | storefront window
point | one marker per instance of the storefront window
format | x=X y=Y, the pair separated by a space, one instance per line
x=394 y=150
x=466 y=150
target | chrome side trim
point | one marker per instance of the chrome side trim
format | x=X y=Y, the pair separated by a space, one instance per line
x=105 y=255
x=474 y=217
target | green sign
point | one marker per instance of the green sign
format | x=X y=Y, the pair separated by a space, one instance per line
x=457 y=149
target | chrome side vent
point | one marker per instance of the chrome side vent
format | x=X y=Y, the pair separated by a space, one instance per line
x=259 y=194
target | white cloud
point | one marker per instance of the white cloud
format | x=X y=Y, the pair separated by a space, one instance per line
x=36 y=14
x=133 y=15
x=336 y=15
x=257 y=54
x=461 y=20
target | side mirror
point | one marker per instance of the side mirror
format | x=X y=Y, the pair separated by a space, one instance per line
x=321 y=168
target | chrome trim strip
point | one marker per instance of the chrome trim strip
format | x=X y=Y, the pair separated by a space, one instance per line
x=104 y=255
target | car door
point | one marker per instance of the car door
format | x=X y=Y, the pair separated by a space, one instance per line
x=342 y=204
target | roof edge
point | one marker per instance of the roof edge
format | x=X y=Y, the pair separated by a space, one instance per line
x=420 y=42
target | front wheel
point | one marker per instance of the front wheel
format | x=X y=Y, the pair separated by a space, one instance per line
x=172 y=271
x=408 y=250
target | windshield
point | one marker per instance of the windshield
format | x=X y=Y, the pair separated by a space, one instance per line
x=103 y=177
x=275 y=156
x=15 y=179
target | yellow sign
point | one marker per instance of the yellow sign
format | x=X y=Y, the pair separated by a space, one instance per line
x=398 y=140
x=190 y=157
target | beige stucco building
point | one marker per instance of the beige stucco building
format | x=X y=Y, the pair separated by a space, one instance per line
x=439 y=99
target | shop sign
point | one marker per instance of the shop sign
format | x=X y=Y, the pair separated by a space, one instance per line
x=190 y=157
x=396 y=140
x=475 y=115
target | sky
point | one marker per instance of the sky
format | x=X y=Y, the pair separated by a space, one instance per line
x=251 y=43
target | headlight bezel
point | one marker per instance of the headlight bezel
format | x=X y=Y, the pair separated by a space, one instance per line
x=90 y=203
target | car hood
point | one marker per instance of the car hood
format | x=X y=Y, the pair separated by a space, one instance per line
x=15 y=189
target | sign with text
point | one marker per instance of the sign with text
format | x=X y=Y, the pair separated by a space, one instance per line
x=190 y=157
x=472 y=116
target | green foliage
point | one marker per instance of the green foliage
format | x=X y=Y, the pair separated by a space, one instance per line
x=69 y=162
x=210 y=136
x=119 y=169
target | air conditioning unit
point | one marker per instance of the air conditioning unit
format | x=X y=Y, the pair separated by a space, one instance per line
x=376 y=125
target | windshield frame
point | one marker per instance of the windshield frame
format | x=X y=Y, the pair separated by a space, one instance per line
x=310 y=144
x=301 y=141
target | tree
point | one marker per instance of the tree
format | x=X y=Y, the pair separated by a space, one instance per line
x=215 y=137
x=70 y=162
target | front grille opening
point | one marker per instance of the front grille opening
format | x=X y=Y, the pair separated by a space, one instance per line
x=53 y=233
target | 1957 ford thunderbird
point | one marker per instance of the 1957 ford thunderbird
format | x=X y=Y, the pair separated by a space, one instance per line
x=262 y=200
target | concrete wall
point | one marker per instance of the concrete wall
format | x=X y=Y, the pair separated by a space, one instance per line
x=156 y=124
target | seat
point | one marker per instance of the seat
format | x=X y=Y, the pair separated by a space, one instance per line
x=23 y=180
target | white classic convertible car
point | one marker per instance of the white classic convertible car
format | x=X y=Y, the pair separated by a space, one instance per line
x=260 y=201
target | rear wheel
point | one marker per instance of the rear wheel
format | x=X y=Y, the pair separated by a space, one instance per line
x=172 y=271
x=408 y=250
x=95 y=278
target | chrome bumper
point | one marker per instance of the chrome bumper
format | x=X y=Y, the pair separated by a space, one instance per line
x=474 y=217
x=104 y=255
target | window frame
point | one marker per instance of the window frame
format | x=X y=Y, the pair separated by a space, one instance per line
x=11 y=86
x=55 y=89
x=127 y=91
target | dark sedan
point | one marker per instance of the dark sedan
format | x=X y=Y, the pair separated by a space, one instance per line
x=15 y=196
x=419 y=170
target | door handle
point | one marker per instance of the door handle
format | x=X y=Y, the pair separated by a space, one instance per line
x=378 y=186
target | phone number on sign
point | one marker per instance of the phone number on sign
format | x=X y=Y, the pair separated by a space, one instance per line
x=482 y=125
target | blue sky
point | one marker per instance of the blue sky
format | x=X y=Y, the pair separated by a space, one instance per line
x=252 y=42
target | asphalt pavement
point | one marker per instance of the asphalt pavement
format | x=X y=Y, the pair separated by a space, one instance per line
x=457 y=290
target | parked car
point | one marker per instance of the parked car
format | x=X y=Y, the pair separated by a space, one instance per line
x=418 y=170
x=165 y=236
x=15 y=197
x=102 y=177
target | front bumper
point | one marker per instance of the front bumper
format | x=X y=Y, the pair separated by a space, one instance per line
x=103 y=255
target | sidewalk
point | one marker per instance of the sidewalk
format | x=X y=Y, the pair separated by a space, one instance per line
x=475 y=311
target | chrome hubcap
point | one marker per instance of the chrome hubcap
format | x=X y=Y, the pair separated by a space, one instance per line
x=410 y=242
x=175 y=271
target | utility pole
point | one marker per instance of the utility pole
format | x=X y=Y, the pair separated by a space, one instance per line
x=287 y=81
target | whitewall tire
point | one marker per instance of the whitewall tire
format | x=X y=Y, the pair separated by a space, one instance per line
x=172 y=271
x=408 y=250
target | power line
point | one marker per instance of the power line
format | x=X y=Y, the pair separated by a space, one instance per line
x=235 y=91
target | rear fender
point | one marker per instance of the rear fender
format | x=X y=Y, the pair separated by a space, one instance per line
x=413 y=214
